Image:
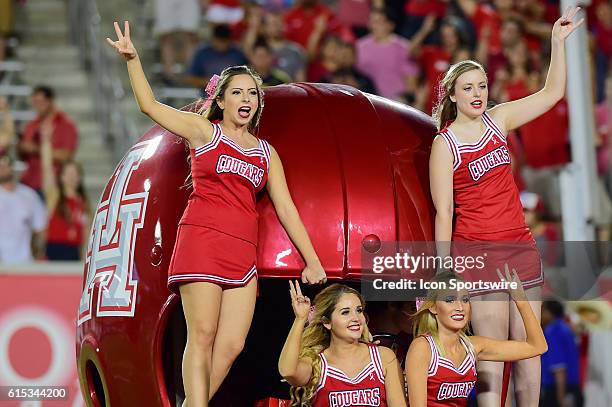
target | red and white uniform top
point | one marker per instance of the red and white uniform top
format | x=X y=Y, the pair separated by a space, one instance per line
x=447 y=385
x=336 y=389
x=485 y=194
x=226 y=180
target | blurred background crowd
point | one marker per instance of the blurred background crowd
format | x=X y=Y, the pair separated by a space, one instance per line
x=62 y=100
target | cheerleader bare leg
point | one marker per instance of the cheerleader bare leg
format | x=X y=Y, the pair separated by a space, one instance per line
x=491 y=318
x=237 y=308
x=526 y=373
x=201 y=305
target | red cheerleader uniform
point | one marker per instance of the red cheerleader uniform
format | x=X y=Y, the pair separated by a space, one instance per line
x=448 y=386
x=217 y=236
x=489 y=220
x=336 y=389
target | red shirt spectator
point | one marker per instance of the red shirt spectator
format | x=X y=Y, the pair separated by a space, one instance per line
x=422 y=8
x=603 y=28
x=300 y=20
x=484 y=16
x=545 y=139
x=603 y=122
x=603 y=37
x=591 y=10
x=435 y=62
x=317 y=71
x=227 y=3
x=354 y=13
x=64 y=138
x=517 y=159
x=517 y=89
x=68 y=231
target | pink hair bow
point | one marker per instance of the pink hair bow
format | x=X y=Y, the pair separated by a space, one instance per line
x=311 y=314
x=210 y=90
x=419 y=302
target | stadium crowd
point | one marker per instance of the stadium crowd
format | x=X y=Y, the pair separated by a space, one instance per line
x=396 y=49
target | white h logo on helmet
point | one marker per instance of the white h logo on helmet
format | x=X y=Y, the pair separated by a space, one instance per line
x=110 y=251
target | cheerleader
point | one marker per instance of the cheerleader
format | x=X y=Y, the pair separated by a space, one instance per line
x=441 y=361
x=331 y=362
x=477 y=201
x=213 y=263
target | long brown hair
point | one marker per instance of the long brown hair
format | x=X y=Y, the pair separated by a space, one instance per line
x=215 y=113
x=445 y=110
x=316 y=338
x=62 y=203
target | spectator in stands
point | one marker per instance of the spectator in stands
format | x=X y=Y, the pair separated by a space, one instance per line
x=356 y=14
x=176 y=22
x=262 y=60
x=545 y=139
x=418 y=10
x=64 y=139
x=347 y=72
x=7 y=127
x=6 y=25
x=434 y=59
x=67 y=205
x=603 y=122
x=252 y=10
x=326 y=62
x=544 y=233
x=215 y=57
x=603 y=213
x=301 y=19
x=289 y=56
x=487 y=18
x=517 y=79
x=545 y=145
x=560 y=364
x=512 y=35
x=533 y=15
x=595 y=315
x=224 y=12
x=385 y=57
x=602 y=30
x=23 y=218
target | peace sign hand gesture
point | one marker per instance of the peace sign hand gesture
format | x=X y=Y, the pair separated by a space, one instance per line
x=299 y=302
x=123 y=45
x=565 y=25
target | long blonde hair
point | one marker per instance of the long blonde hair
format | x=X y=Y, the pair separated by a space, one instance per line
x=316 y=338
x=445 y=110
x=425 y=322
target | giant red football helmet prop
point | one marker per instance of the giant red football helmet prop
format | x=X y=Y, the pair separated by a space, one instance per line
x=357 y=168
